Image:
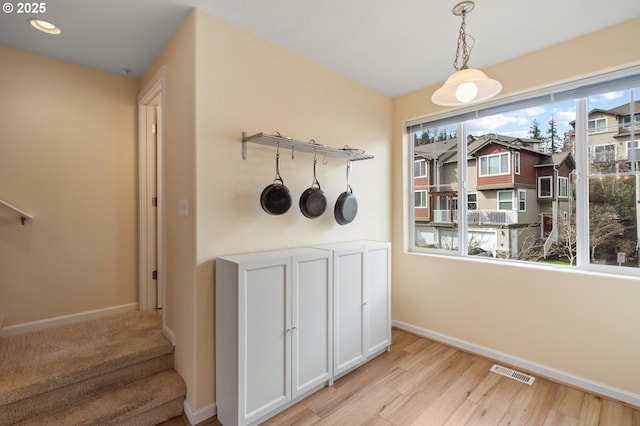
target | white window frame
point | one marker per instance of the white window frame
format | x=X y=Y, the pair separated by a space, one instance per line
x=510 y=192
x=516 y=162
x=550 y=179
x=579 y=91
x=423 y=197
x=499 y=155
x=472 y=194
x=423 y=168
x=596 y=127
x=563 y=184
x=522 y=200
x=602 y=145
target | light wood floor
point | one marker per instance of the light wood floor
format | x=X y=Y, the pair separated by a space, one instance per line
x=422 y=382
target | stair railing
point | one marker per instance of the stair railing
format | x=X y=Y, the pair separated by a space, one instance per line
x=24 y=216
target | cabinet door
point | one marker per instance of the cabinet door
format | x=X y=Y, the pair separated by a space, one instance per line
x=264 y=338
x=377 y=298
x=348 y=276
x=311 y=322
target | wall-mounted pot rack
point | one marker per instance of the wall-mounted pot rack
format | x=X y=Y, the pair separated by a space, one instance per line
x=347 y=153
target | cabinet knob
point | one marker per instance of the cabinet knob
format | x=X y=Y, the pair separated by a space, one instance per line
x=366 y=302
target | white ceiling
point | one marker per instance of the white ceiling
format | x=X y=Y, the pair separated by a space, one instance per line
x=393 y=46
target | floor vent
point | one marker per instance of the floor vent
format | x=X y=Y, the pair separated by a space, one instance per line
x=516 y=375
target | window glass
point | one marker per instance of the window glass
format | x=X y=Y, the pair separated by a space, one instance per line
x=436 y=220
x=420 y=199
x=544 y=187
x=505 y=200
x=597 y=125
x=563 y=187
x=613 y=186
x=572 y=198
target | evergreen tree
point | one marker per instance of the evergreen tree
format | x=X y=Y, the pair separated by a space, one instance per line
x=534 y=131
x=553 y=138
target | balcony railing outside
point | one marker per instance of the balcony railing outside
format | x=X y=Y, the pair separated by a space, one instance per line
x=478 y=217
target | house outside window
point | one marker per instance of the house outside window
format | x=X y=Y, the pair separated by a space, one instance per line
x=597 y=125
x=472 y=201
x=544 y=186
x=604 y=152
x=603 y=200
x=563 y=187
x=522 y=200
x=419 y=168
x=495 y=164
x=626 y=121
x=505 y=200
x=420 y=199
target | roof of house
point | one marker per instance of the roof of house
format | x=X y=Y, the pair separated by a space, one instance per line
x=446 y=151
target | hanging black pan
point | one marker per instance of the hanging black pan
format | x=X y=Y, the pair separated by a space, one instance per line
x=346 y=207
x=276 y=198
x=313 y=202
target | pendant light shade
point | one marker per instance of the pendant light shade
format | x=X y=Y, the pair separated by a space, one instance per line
x=467 y=85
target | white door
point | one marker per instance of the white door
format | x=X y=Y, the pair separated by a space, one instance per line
x=153 y=290
x=376 y=305
x=348 y=283
x=311 y=321
x=264 y=337
x=151 y=280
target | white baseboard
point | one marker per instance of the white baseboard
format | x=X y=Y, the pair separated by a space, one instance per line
x=551 y=373
x=169 y=334
x=200 y=415
x=65 y=319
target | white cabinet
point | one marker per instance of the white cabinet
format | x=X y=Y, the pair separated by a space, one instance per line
x=362 y=309
x=273 y=330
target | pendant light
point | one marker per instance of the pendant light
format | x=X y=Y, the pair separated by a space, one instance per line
x=467 y=85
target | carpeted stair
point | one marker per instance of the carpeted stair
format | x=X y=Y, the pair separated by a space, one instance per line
x=114 y=370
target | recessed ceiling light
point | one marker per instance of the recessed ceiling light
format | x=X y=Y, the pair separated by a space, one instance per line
x=45 y=26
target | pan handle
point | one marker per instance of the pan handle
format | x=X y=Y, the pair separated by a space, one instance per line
x=315 y=181
x=278 y=178
x=348 y=173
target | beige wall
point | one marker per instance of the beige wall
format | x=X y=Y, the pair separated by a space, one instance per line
x=67 y=156
x=179 y=177
x=243 y=83
x=583 y=324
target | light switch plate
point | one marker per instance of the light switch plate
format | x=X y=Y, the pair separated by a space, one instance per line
x=183 y=208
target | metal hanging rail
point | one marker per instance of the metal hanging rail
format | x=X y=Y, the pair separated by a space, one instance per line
x=347 y=153
x=24 y=216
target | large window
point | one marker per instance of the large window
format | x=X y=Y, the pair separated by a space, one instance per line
x=497 y=164
x=597 y=125
x=604 y=152
x=589 y=222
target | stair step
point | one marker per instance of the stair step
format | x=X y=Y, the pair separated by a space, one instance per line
x=66 y=396
x=148 y=401
x=61 y=368
x=37 y=362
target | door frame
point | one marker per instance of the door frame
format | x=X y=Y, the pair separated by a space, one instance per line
x=152 y=96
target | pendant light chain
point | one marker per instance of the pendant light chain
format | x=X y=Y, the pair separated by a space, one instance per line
x=462 y=41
